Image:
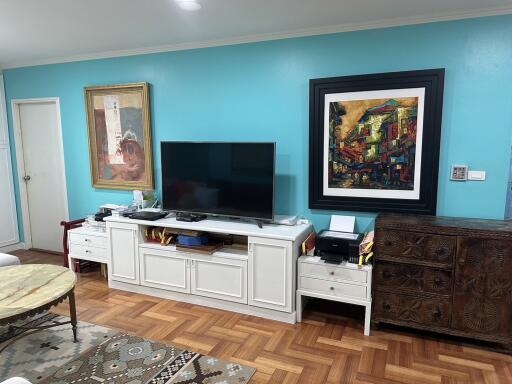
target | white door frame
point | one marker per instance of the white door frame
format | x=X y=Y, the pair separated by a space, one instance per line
x=4 y=144
x=18 y=141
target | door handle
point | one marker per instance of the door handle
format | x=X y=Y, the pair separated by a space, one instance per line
x=26 y=177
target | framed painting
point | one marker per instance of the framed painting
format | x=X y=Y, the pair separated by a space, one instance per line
x=374 y=142
x=119 y=129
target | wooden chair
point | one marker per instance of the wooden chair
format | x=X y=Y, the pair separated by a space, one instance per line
x=67 y=226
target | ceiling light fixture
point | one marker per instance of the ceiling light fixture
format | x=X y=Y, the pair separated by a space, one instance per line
x=188 y=5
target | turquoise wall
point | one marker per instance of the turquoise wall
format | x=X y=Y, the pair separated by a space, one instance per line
x=259 y=92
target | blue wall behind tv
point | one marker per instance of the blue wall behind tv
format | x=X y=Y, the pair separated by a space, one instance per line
x=259 y=92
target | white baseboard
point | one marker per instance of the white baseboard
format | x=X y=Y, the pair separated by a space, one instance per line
x=12 y=247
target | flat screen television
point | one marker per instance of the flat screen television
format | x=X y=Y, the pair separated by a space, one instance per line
x=222 y=179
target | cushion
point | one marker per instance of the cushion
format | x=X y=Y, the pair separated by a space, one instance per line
x=16 y=380
x=6 y=260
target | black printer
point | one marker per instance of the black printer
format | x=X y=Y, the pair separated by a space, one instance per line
x=335 y=247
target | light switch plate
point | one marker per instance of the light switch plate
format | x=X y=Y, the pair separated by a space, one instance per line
x=476 y=175
x=459 y=173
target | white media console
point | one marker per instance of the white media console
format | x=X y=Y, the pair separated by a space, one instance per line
x=259 y=279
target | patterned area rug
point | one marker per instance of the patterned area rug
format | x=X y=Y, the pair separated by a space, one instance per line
x=40 y=354
x=103 y=356
x=126 y=359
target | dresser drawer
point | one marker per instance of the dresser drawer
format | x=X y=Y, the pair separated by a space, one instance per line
x=89 y=240
x=405 y=308
x=87 y=252
x=332 y=272
x=413 y=278
x=332 y=288
x=415 y=246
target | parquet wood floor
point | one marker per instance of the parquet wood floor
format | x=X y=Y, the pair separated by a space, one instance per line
x=325 y=348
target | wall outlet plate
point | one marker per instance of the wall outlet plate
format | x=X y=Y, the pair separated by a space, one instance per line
x=476 y=175
x=459 y=173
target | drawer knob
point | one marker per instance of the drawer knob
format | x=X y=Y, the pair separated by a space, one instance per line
x=87 y=239
x=331 y=273
x=332 y=288
x=87 y=251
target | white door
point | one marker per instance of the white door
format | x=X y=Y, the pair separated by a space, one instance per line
x=43 y=173
x=122 y=252
x=220 y=278
x=8 y=220
x=270 y=274
x=164 y=269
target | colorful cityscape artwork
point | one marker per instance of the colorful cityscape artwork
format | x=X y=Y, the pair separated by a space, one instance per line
x=372 y=143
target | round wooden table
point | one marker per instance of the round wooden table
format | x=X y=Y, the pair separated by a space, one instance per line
x=30 y=289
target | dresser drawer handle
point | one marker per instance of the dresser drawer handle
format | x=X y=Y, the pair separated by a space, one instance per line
x=331 y=273
x=87 y=240
x=331 y=288
x=87 y=251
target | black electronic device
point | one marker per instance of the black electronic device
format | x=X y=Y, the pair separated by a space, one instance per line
x=101 y=215
x=219 y=179
x=189 y=217
x=335 y=247
x=148 y=215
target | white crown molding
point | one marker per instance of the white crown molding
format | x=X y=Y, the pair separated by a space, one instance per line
x=347 y=27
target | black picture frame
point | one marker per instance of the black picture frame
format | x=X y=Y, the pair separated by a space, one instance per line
x=433 y=82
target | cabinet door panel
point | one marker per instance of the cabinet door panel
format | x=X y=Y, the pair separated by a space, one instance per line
x=123 y=253
x=164 y=269
x=483 y=287
x=219 y=278
x=270 y=270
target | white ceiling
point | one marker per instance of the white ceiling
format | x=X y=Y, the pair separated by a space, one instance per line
x=46 y=31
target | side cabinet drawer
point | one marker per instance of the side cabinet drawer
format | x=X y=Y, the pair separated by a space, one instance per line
x=420 y=310
x=89 y=240
x=415 y=246
x=332 y=272
x=332 y=288
x=412 y=278
x=89 y=253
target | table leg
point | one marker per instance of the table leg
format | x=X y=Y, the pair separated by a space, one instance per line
x=72 y=313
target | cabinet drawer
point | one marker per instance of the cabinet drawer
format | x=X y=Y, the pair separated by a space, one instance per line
x=332 y=288
x=89 y=240
x=420 y=310
x=332 y=272
x=415 y=246
x=413 y=278
x=87 y=252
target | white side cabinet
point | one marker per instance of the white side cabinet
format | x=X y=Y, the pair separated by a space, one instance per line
x=270 y=274
x=345 y=282
x=123 y=252
x=86 y=244
x=164 y=269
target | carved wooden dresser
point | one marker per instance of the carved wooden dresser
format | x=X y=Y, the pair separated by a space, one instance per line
x=447 y=275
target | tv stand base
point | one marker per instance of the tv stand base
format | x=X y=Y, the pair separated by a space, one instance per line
x=189 y=217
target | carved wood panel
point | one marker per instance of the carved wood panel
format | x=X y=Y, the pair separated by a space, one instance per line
x=482 y=301
x=413 y=278
x=416 y=246
x=428 y=311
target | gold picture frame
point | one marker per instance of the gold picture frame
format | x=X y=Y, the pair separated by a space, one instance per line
x=120 y=146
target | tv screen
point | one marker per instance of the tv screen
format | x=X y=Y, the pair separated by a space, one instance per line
x=225 y=179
